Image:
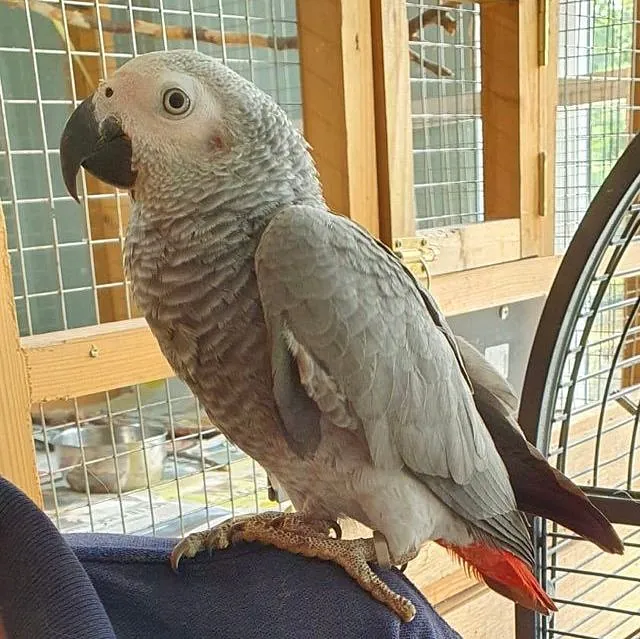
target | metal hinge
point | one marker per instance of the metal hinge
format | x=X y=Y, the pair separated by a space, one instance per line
x=416 y=253
x=542 y=183
x=543 y=32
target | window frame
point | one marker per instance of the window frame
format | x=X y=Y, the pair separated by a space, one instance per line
x=519 y=43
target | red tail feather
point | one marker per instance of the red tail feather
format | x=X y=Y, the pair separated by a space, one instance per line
x=505 y=573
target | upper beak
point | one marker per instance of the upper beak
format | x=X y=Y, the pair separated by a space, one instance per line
x=102 y=148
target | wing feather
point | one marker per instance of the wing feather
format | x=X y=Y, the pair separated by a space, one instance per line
x=360 y=315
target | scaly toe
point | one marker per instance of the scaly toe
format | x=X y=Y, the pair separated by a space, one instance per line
x=356 y=562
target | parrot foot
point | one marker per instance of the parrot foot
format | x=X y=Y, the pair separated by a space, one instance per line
x=300 y=534
x=226 y=533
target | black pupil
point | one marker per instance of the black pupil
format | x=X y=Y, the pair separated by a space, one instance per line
x=176 y=100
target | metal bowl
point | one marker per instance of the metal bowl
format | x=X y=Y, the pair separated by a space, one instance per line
x=97 y=443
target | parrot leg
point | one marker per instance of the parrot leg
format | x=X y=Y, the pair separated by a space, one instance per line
x=299 y=534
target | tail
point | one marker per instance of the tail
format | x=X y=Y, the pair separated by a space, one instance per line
x=505 y=573
x=543 y=490
x=539 y=488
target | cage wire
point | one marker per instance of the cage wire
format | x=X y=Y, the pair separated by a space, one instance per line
x=597 y=111
x=596 y=118
x=141 y=459
x=67 y=266
x=182 y=476
x=445 y=112
x=595 y=440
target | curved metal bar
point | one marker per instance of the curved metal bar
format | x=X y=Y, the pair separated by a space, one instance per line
x=569 y=291
x=632 y=448
x=611 y=221
x=605 y=393
x=603 y=286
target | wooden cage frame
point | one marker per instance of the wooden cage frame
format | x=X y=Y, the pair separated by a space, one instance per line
x=355 y=73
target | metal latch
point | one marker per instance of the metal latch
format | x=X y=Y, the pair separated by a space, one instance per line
x=416 y=253
x=542 y=183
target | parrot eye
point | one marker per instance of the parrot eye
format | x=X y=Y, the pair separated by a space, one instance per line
x=176 y=102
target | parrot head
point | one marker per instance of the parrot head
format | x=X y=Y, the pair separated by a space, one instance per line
x=180 y=122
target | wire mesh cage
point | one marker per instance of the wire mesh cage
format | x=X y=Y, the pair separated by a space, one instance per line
x=142 y=459
x=588 y=419
x=446 y=115
x=592 y=428
x=598 y=101
x=581 y=406
x=66 y=261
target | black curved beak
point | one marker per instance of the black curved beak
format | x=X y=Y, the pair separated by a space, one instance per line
x=102 y=148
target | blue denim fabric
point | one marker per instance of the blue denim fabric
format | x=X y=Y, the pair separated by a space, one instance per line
x=102 y=586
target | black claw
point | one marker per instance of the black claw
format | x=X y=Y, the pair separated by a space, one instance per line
x=337 y=529
x=404 y=566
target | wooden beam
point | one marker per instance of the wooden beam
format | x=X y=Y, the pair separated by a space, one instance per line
x=93 y=359
x=629 y=263
x=457 y=248
x=633 y=73
x=519 y=97
x=490 y=286
x=480 y=613
x=590 y=90
x=441 y=593
x=99 y=358
x=393 y=119
x=17 y=452
x=631 y=374
x=103 y=212
x=468 y=591
x=338 y=114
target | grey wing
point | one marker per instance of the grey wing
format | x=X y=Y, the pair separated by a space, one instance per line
x=477 y=370
x=349 y=307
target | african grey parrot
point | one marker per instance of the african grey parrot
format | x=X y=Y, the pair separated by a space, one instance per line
x=308 y=343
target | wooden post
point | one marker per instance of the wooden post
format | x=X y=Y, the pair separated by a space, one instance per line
x=338 y=108
x=103 y=213
x=393 y=119
x=631 y=374
x=17 y=452
x=519 y=99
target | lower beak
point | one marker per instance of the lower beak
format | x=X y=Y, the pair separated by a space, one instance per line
x=102 y=148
